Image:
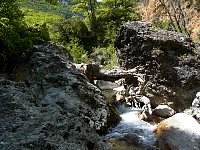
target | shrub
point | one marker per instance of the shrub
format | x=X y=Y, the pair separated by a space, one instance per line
x=106 y=56
x=75 y=28
x=15 y=36
x=77 y=51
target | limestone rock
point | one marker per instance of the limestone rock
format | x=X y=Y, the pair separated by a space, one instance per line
x=137 y=43
x=179 y=132
x=170 y=60
x=163 y=111
x=55 y=107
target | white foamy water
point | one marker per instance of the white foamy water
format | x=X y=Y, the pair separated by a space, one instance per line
x=132 y=129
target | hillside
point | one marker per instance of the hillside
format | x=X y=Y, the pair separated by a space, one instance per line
x=153 y=11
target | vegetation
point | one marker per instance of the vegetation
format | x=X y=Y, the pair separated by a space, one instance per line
x=97 y=24
x=39 y=17
x=176 y=17
x=83 y=28
x=15 y=35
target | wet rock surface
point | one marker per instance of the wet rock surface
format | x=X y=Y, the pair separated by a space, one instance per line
x=170 y=60
x=54 y=107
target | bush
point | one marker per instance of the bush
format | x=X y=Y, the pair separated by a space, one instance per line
x=105 y=56
x=77 y=51
x=15 y=36
x=75 y=28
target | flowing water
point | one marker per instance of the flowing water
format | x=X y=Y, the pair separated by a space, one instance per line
x=131 y=133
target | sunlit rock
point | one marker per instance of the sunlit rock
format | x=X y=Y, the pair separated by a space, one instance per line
x=179 y=132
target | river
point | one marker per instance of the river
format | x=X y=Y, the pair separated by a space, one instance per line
x=131 y=133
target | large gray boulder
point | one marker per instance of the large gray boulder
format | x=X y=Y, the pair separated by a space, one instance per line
x=179 y=132
x=137 y=43
x=171 y=62
x=52 y=107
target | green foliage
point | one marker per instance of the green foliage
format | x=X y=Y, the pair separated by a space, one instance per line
x=77 y=51
x=53 y=2
x=15 y=36
x=107 y=56
x=162 y=24
x=166 y=25
x=39 y=17
x=93 y=24
x=43 y=6
x=110 y=17
x=75 y=28
x=98 y=26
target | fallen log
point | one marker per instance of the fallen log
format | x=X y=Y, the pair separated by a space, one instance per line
x=93 y=72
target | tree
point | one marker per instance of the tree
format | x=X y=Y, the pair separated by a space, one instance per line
x=15 y=36
x=176 y=15
x=88 y=8
x=110 y=16
x=75 y=29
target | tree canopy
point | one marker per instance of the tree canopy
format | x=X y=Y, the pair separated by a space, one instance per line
x=15 y=35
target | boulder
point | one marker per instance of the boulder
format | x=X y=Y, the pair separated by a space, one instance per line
x=196 y=101
x=163 y=111
x=195 y=109
x=170 y=61
x=138 y=43
x=52 y=106
x=179 y=132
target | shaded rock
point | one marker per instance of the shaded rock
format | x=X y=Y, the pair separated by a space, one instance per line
x=163 y=111
x=170 y=60
x=55 y=107
x=180 y=132
x=137 y=43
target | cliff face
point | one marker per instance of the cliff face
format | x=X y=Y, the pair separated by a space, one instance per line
x=53 y=106
x=153 y=11
x=170 y=59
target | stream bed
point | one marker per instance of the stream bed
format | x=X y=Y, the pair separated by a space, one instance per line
x=131 y=133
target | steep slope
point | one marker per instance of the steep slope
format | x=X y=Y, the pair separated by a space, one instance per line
x=152 y=11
